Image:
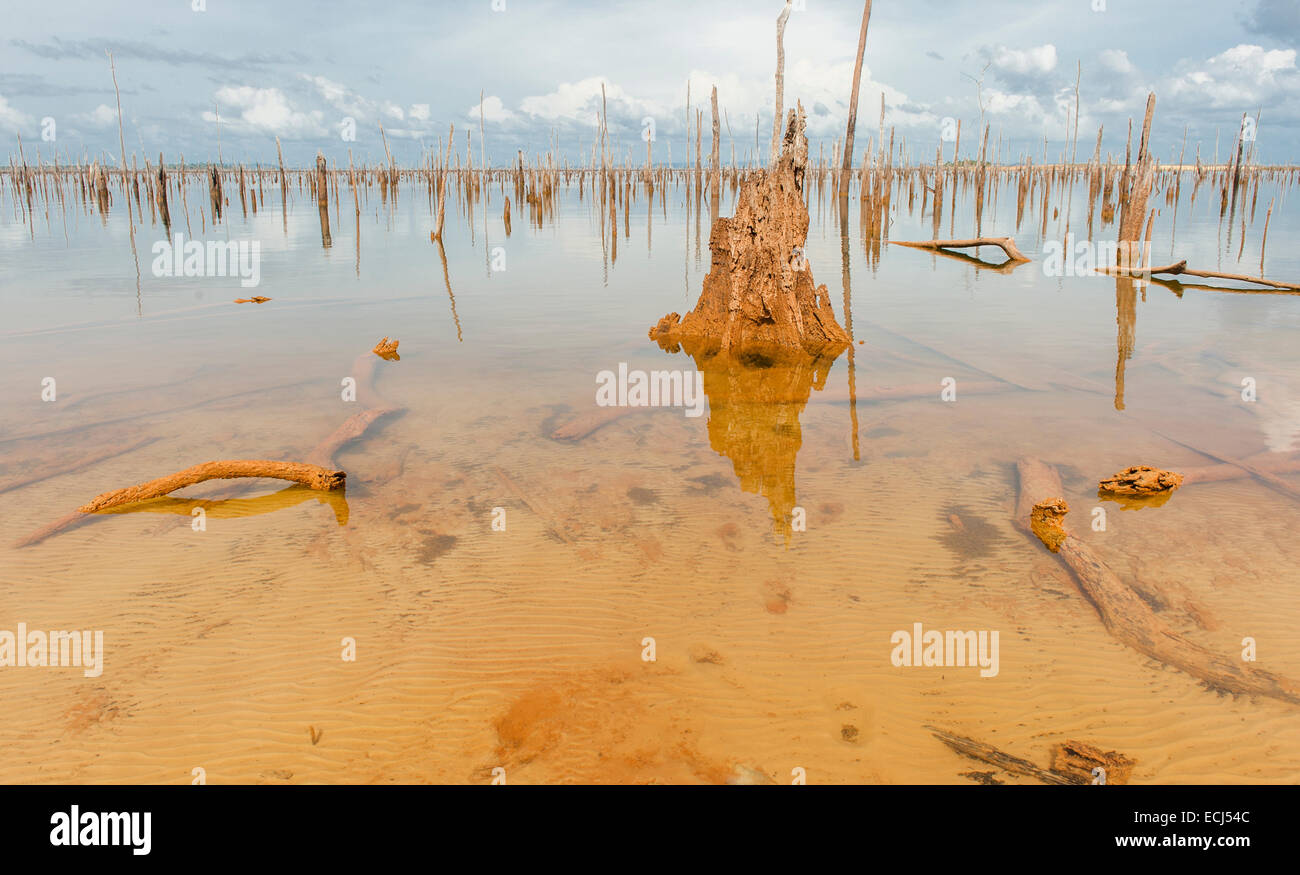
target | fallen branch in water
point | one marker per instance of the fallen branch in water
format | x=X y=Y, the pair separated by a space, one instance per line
x=319 y=472
x=356 y=425
x=1230 y=471
x=1272 y=481
x=1006 y=244
x=547 y=517
x=1180 y=268
x=1004 y=267
x=969 y=747
x=1129 y=618
x=312 y=476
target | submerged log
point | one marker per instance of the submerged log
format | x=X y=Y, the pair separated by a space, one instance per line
x=969 y=747
x=1229 y=471
x=759 y=292
x=356 y=425
x=86 y=461
x=1128 y=617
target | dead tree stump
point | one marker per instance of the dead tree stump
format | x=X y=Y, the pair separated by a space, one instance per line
x=759 y=293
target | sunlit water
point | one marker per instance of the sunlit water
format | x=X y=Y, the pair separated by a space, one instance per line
x=525 y=649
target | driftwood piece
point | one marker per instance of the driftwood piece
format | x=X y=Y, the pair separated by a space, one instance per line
x=1006 y=266
x=387 y=349
x=1006 y=244
x=256 y=299
x=969 y=747
x=1047 y=522
x=1180 y=268
x=319 y=469
x=1128 y=617
x=312 y=476
x=1141 y=480
x=1078 y=758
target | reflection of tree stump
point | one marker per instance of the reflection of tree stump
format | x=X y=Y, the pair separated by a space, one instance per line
x=754 y=408
x=759 y=292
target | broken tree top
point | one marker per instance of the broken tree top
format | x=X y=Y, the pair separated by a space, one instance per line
x=759 y=292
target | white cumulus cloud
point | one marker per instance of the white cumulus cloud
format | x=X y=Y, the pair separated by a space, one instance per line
x=1041 y=59
x=492 y=110
x=10 y=117
x=266 y=110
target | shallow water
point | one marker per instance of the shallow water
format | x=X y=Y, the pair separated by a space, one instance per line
x=523 y=649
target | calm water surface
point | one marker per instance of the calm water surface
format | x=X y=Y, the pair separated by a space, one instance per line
x=524 y=648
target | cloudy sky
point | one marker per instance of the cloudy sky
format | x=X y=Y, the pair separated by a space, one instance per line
x=307 y=71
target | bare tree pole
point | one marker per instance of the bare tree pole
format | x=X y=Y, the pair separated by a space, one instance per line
x=604 y=127
x=714 y=167
x=853 y=103
x=780 y=79
x=482 y=147
x=1074 y=155
x=121 y=139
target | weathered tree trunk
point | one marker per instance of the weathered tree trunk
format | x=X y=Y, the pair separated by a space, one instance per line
x=323 y=200
x=1137 y=191
x=759 y=292
x=161 y=194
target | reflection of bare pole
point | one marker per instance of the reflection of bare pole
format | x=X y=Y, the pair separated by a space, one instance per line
x=848 y=319
x=1126 y=332
x=446 y=278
